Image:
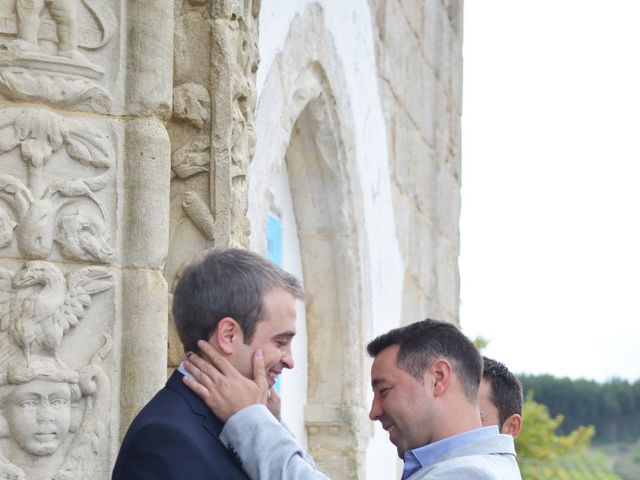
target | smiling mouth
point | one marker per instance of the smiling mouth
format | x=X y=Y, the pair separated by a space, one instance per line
x=391 y=430
x=272 y=377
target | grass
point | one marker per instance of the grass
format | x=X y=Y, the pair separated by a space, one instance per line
x=625 y=458
x=588 y=465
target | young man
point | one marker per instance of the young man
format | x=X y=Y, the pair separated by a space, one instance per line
x=425 y=379
x=500 y=398
x=239 y=302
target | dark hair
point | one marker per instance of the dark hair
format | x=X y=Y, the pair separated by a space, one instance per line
x=423 y=342
x=226 y=283
x=506 y=389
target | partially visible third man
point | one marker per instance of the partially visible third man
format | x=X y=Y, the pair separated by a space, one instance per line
x=500 y=398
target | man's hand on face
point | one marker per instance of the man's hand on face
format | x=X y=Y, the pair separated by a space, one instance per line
x=222 y=388
x=274 y=402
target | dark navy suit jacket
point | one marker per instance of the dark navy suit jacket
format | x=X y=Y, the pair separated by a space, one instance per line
x=175 y=436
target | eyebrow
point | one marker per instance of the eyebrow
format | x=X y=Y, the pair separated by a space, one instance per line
x=377 y=381
x=286 y=334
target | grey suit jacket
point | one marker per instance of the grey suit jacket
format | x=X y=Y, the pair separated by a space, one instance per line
x=492 y=459
x=269 y=452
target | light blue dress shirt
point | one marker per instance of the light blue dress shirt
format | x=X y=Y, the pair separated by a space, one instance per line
x=424 y=456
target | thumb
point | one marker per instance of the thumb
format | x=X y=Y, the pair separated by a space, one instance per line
x=259 y=375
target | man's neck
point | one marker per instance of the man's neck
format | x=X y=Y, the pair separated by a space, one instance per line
x=457 y=418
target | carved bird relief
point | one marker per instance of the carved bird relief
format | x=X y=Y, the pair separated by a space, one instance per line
x=38 y=304
x=40 y=222
x=35 y=210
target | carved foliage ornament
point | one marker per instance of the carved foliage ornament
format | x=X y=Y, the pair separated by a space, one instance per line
x=235 y=33
x=230 y=143
x=40 y=213
x=191 y=104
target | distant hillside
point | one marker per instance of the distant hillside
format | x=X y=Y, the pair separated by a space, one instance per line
x=613 y=407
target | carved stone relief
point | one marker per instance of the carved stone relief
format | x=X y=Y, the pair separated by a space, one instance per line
x=212 y=128
x=41 y=52
x=224 y=121
x=235 y=62
x=76 y=260
x=52 y=416
x=38 y=212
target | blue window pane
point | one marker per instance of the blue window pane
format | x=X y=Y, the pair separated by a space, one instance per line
x=274 y=240
x=274 y=253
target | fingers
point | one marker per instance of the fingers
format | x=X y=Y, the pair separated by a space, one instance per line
x=205 y=373
x=215 y=358
x=274 y=403
x=224 y=393
x=259 y=374
x=195 y=387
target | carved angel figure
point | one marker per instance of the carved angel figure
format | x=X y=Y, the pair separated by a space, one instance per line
x=38 y=305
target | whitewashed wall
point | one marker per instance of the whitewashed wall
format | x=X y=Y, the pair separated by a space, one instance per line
x=409 y=235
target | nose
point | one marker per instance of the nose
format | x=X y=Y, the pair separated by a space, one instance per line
x=44 y=414
x=287 y=359
x=376 y=410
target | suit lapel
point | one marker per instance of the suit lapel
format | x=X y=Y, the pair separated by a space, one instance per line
x=210 y=422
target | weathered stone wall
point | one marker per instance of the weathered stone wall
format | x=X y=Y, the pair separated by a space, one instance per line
x=84 y=194
x=391 y=81
x=126 y=138
x=212 y=131
x=419 y=56
x=319 y=120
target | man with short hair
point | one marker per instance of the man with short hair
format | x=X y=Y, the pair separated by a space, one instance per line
x=425 y=379
x=240 y=303
x=500 y=398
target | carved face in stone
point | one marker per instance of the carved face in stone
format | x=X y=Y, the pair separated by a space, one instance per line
x=39 y=415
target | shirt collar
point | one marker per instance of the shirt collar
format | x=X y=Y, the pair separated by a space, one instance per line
x=427 y=455
x=183 y=370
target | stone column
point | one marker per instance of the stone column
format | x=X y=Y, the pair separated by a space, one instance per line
x=211 y=131
x=84 y=215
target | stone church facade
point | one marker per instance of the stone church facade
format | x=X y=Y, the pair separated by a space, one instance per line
x=134 y=135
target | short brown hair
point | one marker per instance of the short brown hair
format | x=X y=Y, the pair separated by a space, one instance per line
x=226 y=283
x=506 y=389
x=422 y=342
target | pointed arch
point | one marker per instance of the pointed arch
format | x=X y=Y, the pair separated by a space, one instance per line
x=304 y=126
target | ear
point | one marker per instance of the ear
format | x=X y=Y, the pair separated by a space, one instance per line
x=512 y=425
x=440 y=376
x=226 y=334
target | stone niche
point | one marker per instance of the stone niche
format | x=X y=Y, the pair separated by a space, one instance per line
x=84 y=195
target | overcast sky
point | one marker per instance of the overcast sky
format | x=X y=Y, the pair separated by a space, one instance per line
x=550 y=223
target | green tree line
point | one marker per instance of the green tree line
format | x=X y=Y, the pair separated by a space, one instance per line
x=543 y=454
x=612 y=407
